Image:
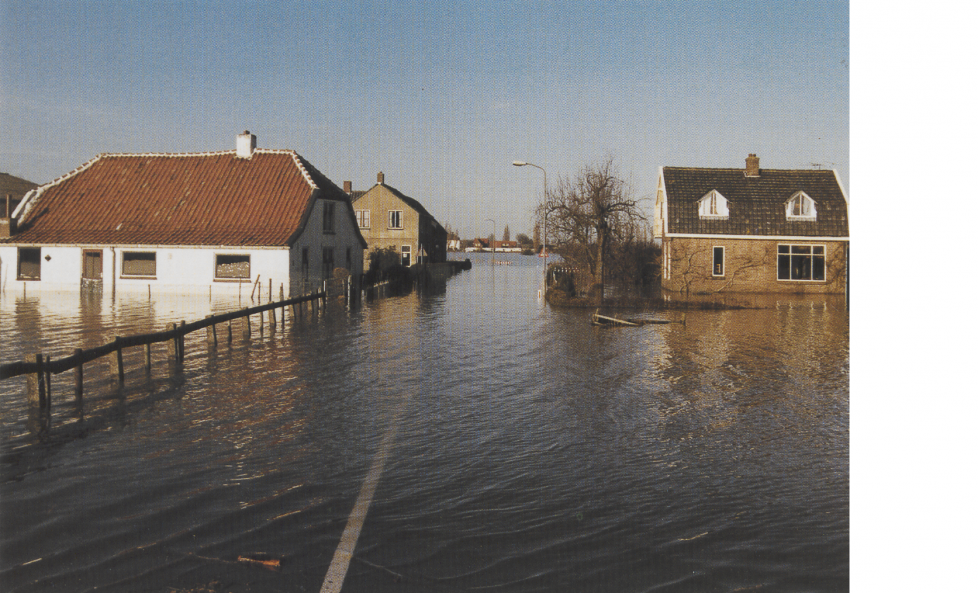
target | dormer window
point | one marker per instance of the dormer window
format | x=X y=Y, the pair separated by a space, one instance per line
x=800 y=206
x=714 y=205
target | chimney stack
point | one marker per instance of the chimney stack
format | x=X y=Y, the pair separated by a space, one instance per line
x=348 y=187
x=380 y=177
x=753 y=166
x=247 y=143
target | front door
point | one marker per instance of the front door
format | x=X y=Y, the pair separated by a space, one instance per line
x=92 y=269
x=406 y=255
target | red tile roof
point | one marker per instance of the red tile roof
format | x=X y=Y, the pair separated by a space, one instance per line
x=213 y=199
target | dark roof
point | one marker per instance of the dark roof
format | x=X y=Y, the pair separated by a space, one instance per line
x=756 y=204
x=15 y=186
x=178 y=199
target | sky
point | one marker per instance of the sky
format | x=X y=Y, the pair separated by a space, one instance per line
x=441 y=97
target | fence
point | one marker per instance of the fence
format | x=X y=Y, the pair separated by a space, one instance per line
x=39 y=368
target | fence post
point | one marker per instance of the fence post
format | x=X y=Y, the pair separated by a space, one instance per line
x=47 y=382
x=229 y=331
x=149 y=359
x=261 y=323
x=271 y=318
x=37 y=400
x=173 y=345
x=247 y=327
x=211 y=332
x=180 y=344
x=79 y=378
x=35 y=383
x=115 y=361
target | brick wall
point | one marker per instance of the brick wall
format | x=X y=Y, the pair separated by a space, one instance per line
x=749 y=265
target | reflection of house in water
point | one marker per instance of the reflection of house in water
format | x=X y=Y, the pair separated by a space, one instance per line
x=388 y=218
x=752 y=230
x=184 y=221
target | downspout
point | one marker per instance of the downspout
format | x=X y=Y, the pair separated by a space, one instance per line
x=113 y=272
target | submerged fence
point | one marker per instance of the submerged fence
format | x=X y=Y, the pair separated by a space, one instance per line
x=38 y=368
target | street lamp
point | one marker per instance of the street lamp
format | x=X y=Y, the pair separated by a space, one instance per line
x=546 y=251
x=492 y=242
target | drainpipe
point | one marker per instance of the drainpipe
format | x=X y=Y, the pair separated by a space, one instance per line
x=113 y=272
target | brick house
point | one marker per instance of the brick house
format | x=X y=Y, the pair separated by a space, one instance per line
x=184 y=222
x=388 y=218
x=752 y=230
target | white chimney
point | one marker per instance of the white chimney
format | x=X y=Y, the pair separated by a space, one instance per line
x=247 y=142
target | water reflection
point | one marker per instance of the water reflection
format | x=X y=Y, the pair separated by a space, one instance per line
x=532 y=450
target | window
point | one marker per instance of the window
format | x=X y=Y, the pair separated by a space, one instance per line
x=327 y=262
x=363 y=219
x=29 y=263
x=406 y=255
x=801 y=262
x=139 y=263
x=394 y=221
x=349 y=259
x=718 y=261
x=232 y=267
x=714 y=205
x=329 y=216
x=800 y=206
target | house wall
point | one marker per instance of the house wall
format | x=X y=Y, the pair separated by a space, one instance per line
x=379 y=201
x=750 y=266
x=178 y=269
x=193 y=269
x=342 y=238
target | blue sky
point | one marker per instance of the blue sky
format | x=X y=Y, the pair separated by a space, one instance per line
x=442 y=97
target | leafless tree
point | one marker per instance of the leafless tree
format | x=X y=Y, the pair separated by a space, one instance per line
x=587 y=213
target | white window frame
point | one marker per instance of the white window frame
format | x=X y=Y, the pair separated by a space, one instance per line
x=399 y=215
x=363 y=219
x=406 y=249
x=806 y=206
x=217 y=263
x=723 y=261
x=20 y=253
x=122 y=271
x=790 y=254
x=713 y=206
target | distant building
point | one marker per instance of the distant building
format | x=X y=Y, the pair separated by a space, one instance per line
x=12 y=189
x=752 y=230
x=497 y=246
x=388 y=218
x=184 y=221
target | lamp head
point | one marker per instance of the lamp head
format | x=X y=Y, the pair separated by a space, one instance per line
x=519 y=163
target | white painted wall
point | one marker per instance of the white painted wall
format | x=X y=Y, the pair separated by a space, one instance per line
x=192 y=270
x=178 y=270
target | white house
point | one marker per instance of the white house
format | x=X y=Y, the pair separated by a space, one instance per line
x=184 y=223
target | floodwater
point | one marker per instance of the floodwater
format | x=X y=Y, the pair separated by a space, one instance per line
x=514 y=447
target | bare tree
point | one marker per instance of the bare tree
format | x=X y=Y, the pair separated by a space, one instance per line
x=506 y=233
x=589 y=212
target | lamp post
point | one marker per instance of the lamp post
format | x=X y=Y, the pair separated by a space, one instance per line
x=546 y=251
x=492 y=242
